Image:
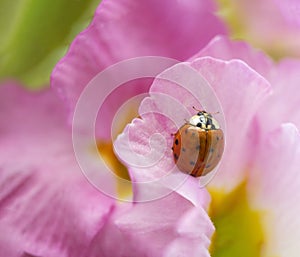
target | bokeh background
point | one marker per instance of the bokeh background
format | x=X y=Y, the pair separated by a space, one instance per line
x=35 y=34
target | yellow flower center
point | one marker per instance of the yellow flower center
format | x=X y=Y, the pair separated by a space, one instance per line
x=125 y=114
x=105 y=149
x=239 y=231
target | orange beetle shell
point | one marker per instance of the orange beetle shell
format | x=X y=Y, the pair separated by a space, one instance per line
x=197 y=151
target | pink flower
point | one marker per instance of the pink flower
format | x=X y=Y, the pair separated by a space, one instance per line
x=47 y=207
x=272 y=25
x=254 y=194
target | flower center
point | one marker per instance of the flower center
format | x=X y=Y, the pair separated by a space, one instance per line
x=239 y=231
x=105 y=149
x=127 y=112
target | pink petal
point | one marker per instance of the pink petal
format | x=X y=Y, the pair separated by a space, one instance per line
x=148 y=229
x=108 y=111
x=149 y=169
x=284 y=78
x=240 y=90
x=46 y=204
x=186 y=247
x=8 y=243
x=274 y=190
x=290 y=9
x=283 y=105
x=221 y=47
x=190 y=220
x=124 y=29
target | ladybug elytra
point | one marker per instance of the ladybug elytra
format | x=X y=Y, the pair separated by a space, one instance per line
x=198 y=145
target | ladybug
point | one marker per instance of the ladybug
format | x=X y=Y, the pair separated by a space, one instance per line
x=198 y=145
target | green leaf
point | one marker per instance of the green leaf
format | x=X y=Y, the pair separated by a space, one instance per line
x=36 y=33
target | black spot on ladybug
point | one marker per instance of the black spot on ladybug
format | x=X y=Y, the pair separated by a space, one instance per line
x=175 y=156
x=192 y=163
x=218 y=138
x=176 y=142
x=211 y=150
x=198 y=147
x=172 y=148
x=186 y=131
x=218 y=155
x=183 y=149
x=193 y=134
x=207 y=166
x=208 y=122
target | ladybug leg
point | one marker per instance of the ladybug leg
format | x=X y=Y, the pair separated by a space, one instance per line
x=172 y=135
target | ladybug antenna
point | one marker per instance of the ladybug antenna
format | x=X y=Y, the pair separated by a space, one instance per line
x=196 y=109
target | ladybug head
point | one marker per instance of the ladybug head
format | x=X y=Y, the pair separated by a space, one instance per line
x=204 y=120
